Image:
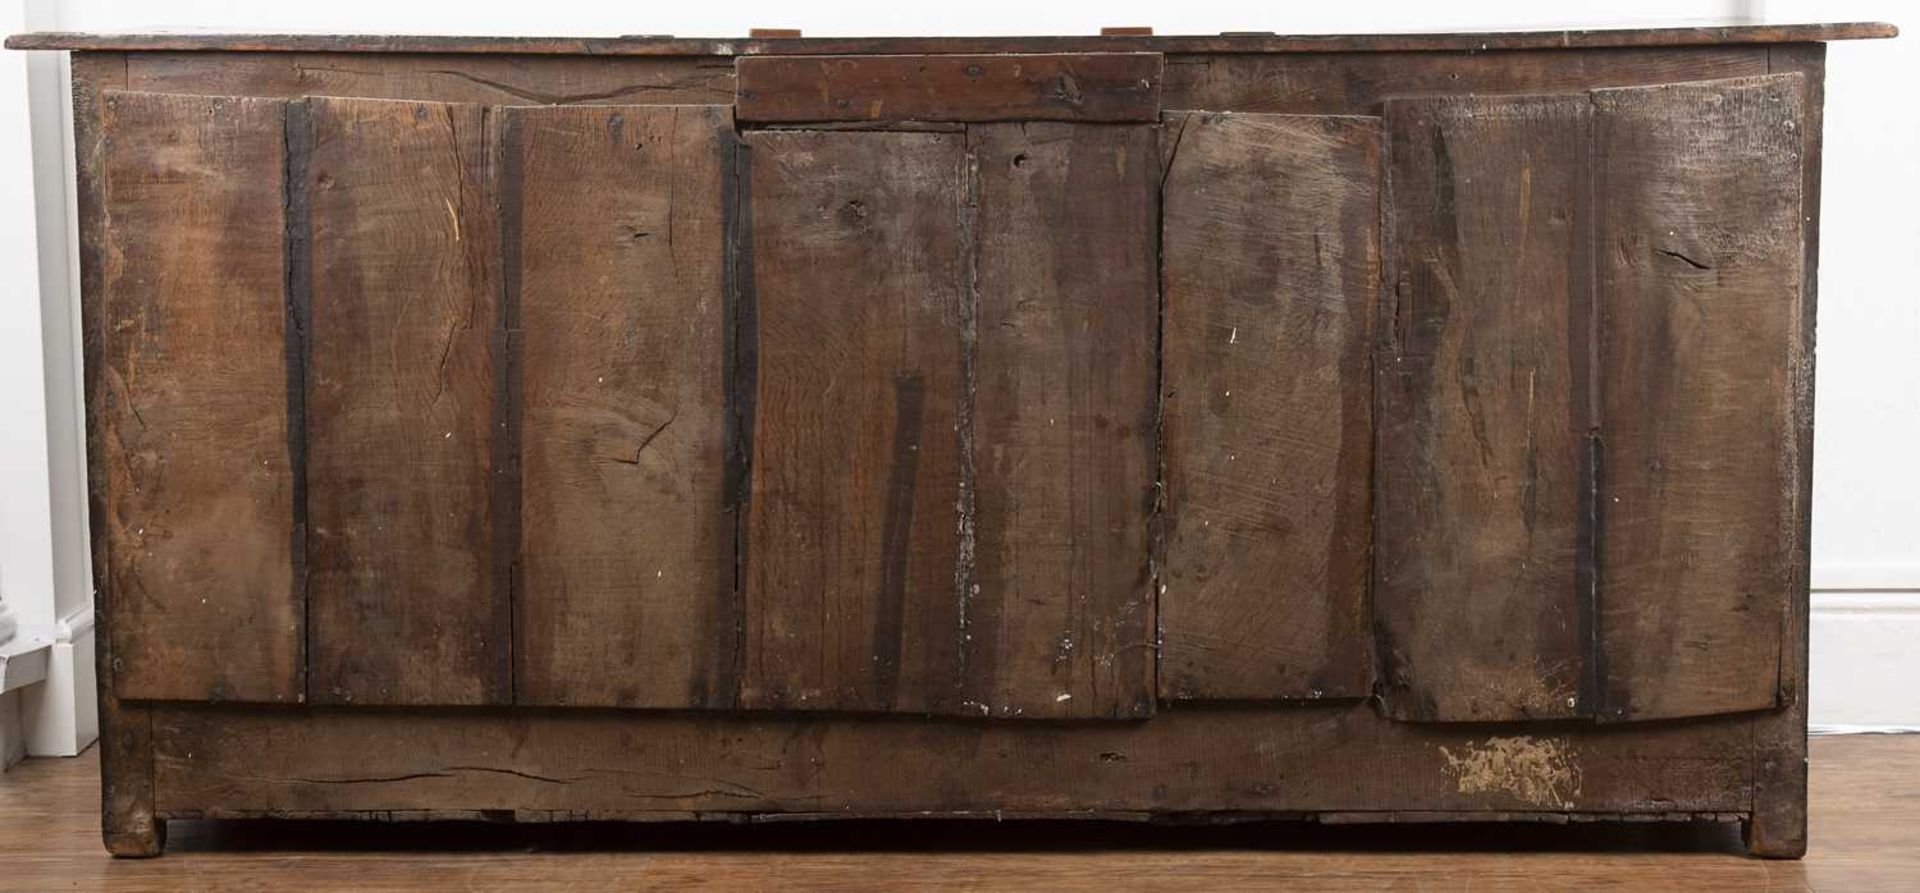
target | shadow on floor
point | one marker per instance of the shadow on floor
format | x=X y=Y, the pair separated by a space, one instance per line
x=945 y=836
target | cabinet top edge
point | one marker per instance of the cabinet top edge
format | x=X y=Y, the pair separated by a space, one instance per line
x=665 y=45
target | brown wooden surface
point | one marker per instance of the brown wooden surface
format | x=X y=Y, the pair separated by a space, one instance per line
x=692 y=46
x=1780 y=798
x=614 y=227
x=1085 y=87
x=1483 y=414
x=1271 y=269
x=1863 y=789
x=851 y=552
x=199 y=493
x=1358 y=82
x=405 y=602
x=1060 y=620
x=1703 y=373
x=506 y=80
x=1344 y=758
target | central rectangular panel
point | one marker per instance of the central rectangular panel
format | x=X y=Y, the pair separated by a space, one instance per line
x=951 y=417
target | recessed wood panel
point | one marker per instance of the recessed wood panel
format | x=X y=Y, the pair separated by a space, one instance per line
x=1059 y=622
x=1483 y=409
x=407 y=605
x=1706 y=383
x=615 y=254
x=202 y=595
x=1271 y=269
x=858 y=276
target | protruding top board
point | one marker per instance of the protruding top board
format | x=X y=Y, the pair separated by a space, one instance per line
x=1239 y=42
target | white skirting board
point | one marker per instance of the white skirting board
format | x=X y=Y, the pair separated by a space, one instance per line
x=1865 y=656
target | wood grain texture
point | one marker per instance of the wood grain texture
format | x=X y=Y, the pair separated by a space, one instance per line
x=851 y=547
x=1483 y=410
x=406 y=605
x=1059 y=622
x=1086 y=87
x=199 y=492
x=554 y=765
x=1356 y=83
x=667 y=45
x=123 y=800
x=1780 y=796
x=1864 y=788
x=1704 y=368
x=615 y=223
x=503 y=80
x=1271 y=268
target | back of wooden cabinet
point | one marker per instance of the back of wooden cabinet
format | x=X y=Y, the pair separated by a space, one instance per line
x=1026 y=403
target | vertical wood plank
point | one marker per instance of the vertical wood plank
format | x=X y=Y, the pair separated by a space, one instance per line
x=1483 y=409
x=616 y=217
x=1705 y=373
x=857 y=277
x=406 y=606
x=128 y=826
x=192 y=400
x=1063 y=421
x=1271 y=268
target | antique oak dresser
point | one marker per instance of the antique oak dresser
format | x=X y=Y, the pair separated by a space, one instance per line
x=1365 y=428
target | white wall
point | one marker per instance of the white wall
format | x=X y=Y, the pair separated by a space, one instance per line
x=1867 y=497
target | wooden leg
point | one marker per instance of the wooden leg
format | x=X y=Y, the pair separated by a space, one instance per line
x=1777 y=828
x=127 y=824
x=135 y=837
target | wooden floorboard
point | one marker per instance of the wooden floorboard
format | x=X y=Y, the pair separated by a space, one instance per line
x=1865 y=790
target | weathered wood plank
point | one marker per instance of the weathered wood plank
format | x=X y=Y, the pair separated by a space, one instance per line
x=1060 y=618
x=614 y=222
x=602 y=764
x=406 y=605
x=1086 y=87
x=128 y=826
x=1356 y=83
x=851 y=551
x=1705 y=377
x=503 y=80
x=667 y=45
x=1271 y=268
x=1483 y=409
x=199 y=492
x=1778 y=827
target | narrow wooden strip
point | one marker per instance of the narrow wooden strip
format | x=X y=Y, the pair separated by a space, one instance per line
x=128 y=824
x=1086 y=87
x=298 y=243
x=503 y=80
x=1357 y=83
x=199 y=489
x=681 y=46
x=856 y=275
x=404 y=601
x=1779 y=824
x=507 y=421
x=1480 y=433
x=1063 y=420
x=1704 y=363
x=629 y=765
x=615 y=262
x=1271 y=268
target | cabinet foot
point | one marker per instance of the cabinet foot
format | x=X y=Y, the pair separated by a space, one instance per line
x=136 y=837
